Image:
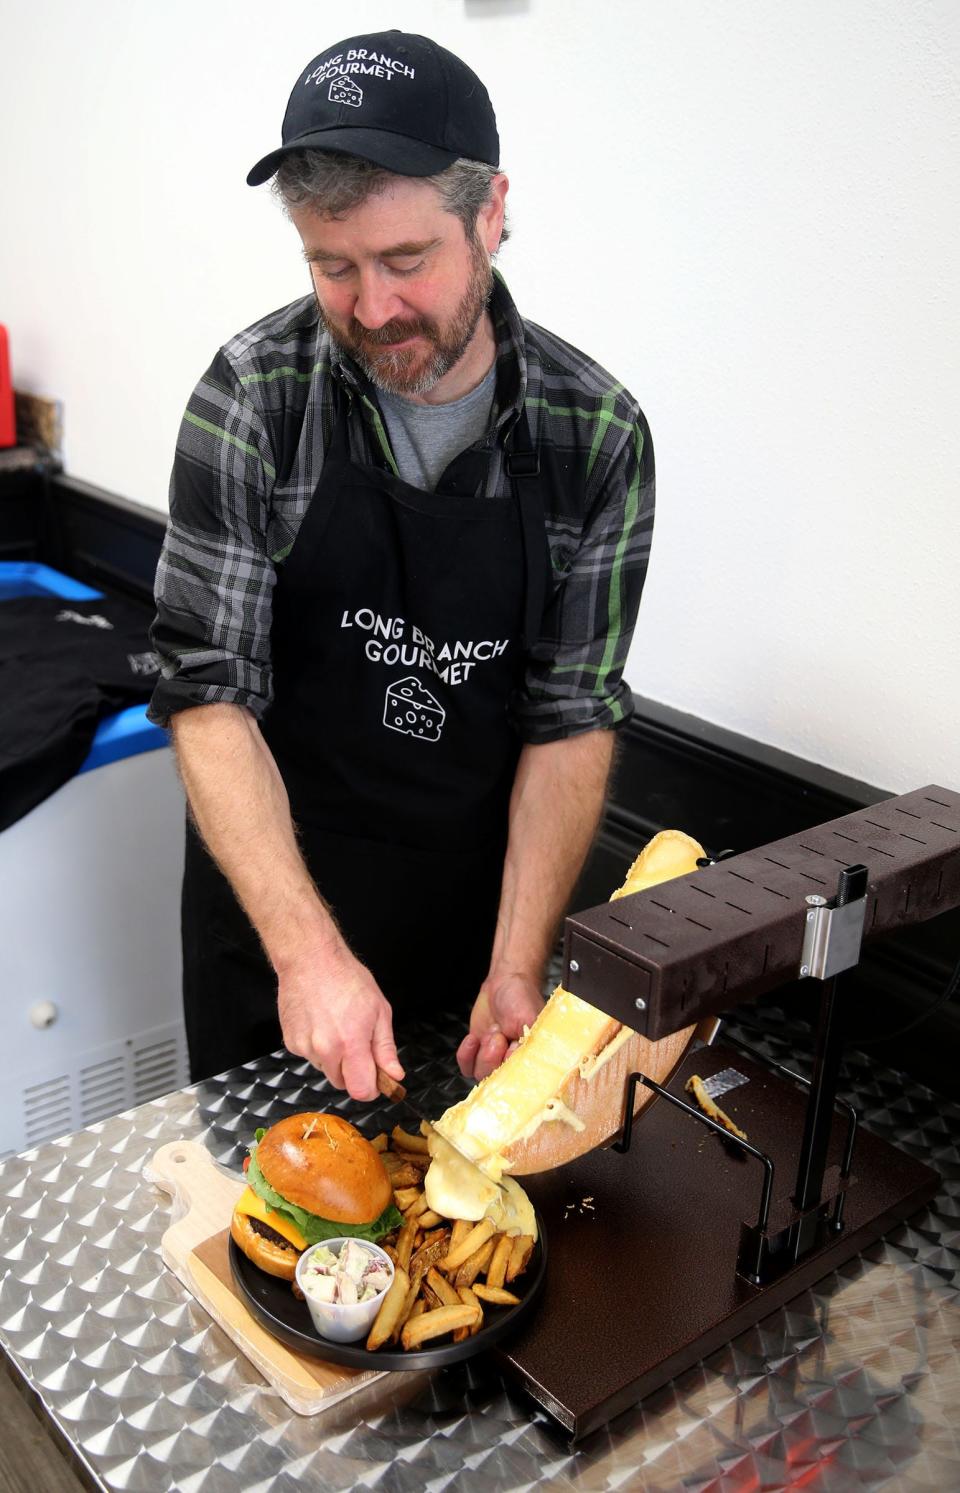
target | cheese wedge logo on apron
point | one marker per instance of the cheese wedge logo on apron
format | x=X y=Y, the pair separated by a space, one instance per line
x=413 y=710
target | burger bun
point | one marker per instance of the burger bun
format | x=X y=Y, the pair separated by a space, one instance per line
x=323 y=1164
x=270 y=1255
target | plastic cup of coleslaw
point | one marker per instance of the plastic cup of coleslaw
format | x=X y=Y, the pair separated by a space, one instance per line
x=344 y=1282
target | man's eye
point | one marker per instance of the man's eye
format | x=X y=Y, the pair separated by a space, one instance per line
x=405 y=266
x=340 y=274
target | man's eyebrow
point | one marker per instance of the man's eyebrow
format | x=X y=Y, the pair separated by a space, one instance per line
x=396 y=251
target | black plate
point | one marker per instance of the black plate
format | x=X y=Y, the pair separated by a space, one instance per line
x=273 y=1304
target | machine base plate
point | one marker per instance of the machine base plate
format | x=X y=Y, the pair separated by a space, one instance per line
x=643 y=1246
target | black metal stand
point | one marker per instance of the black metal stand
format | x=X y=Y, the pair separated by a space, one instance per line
x=671 y=1265
x=750 y=1268
x=815 y=1212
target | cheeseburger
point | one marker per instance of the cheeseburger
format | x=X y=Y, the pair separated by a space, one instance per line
x=310 y=1177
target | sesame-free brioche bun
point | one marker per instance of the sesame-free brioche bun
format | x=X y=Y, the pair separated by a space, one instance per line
x=323 y=1164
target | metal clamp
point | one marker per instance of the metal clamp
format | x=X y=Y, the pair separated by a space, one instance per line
x=834 y=930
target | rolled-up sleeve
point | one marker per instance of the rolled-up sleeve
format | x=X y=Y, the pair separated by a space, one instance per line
x=215 y=578
x=574 y=679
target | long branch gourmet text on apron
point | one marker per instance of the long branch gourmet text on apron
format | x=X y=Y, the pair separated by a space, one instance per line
x=409 y=707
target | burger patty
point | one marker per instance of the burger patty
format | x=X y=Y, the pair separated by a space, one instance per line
x=271 y=1234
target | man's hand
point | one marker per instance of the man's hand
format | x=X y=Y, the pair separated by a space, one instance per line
x=333 y=1013
x=505 y=1005
x=555 y=807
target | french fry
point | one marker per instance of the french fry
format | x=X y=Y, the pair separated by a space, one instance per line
x=404 y=1141
x=429 y=1219
x=471 y=1242
x=419 y=1306
x=459 y=1232
x=497 y=1268
x=469 y=1298
x=695 y=1086
x=473 y=1265
x=442 y=1288
x=404 y=1174
x=466 y=1297
x=406 y=1310
x=427 y=1255
x=434 y=1324
x=405 y=1243
x=388 y=1249
x=381 y=1142
x=404 y=1196
x=519 y=1256
x=418 y=1206
x=429 y=1295
x=418 y=1159
x=388 y=1316
x=496 y=1294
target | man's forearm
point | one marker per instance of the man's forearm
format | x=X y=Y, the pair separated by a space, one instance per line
x=241 y=808
x=555 y=808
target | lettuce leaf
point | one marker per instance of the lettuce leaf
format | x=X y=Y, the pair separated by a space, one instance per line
x=314 y=1228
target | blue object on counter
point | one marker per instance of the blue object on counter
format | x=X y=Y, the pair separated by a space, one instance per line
x=27 y=578
x=125 y=734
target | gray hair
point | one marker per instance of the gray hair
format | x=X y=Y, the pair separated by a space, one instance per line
x=331 y=184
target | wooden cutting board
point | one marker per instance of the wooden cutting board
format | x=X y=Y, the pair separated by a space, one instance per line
x=194 y=1247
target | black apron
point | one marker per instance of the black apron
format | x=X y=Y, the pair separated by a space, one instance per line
x=401 y=621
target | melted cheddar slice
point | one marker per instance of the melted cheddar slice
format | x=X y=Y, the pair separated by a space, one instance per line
x=255 y=1207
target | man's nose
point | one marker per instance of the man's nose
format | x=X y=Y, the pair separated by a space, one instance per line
x=377 y=302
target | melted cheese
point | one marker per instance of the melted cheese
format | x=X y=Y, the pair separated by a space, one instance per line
x=588 y=1066
x=455 y=1189
x=255 y=1207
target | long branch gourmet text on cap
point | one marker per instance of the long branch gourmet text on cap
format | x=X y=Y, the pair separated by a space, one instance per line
x=393 y=98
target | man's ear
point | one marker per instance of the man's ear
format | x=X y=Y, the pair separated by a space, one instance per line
x=490 y=216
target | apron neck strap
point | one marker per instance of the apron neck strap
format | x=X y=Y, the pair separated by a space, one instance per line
x=339 y=434
x=522 y=461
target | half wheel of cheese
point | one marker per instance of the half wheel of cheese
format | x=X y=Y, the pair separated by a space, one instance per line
x=561 y=1093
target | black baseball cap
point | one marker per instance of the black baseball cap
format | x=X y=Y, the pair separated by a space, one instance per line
x=398 y=100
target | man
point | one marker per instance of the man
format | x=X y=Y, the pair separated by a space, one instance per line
x=408 y=535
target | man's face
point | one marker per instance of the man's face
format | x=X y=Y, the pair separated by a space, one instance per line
x=400 y=287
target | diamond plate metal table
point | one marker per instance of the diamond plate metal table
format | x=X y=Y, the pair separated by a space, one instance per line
x=853 y=1385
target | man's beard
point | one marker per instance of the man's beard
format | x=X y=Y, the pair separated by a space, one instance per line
x=407 y=370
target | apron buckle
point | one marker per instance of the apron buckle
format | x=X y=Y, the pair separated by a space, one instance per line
x=523 y=463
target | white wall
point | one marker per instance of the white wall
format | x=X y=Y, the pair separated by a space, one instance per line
x=748 y=211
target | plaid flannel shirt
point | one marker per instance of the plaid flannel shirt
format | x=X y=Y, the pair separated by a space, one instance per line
x=251 y=451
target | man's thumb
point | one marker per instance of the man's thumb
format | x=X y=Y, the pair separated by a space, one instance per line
x=384 y=1048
